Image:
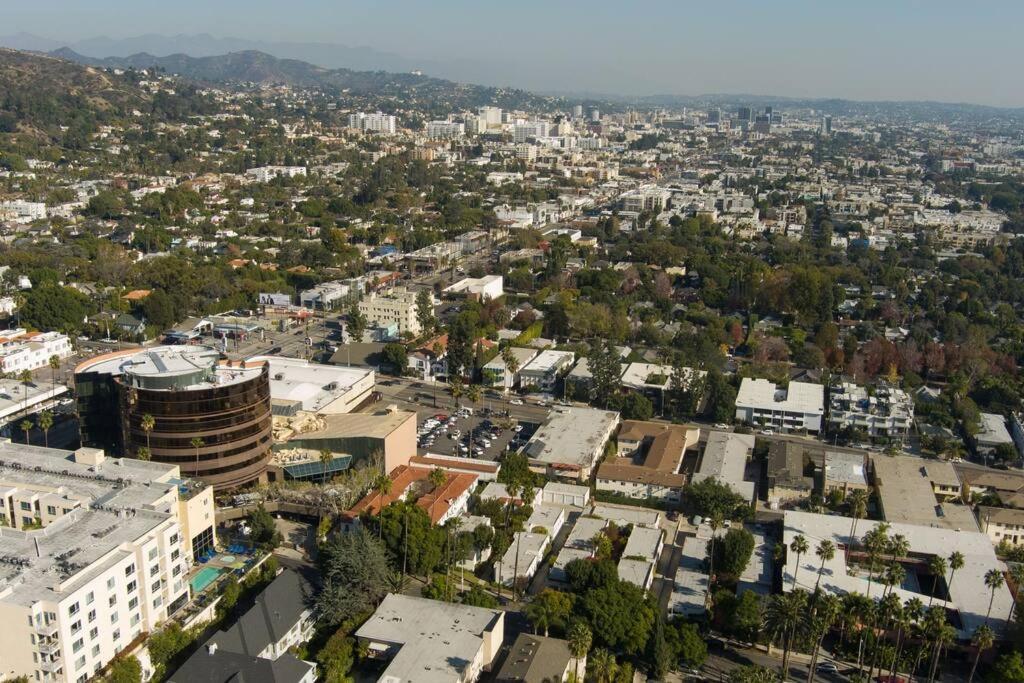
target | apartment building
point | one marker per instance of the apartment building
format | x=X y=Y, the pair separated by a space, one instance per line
x=798 y=407
x=21 y=350
x=1003 y=525
x=443 y=130
x=397 y=307
x=650 y=455
x=264 y=174
x=887 y=411
x=95 y=552
x=497 y=373
x=543 y=371
x=373 y=123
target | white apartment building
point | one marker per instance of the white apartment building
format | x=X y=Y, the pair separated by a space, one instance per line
x=800 y=407
x=21 y=211
x=96 y=552
x=396 y=307
x=20 y=350
x=543 y=370
x=482 y=288
x=264 y=174
x=496 y=373
x=443 y=130
x=1003 y=525
x=888 y=411
x=530 y=131
x=327 y=295
x=374 y=123
x=645 y=199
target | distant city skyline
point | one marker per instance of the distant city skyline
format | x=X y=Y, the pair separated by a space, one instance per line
x=873 y=50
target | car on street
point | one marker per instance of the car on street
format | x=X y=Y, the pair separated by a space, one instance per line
x=827 y=668
x=516 y=401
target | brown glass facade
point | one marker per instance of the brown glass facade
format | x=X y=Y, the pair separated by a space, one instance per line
x=233 y=420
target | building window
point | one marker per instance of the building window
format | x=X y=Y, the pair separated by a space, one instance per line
x=92 y=615
x=50 y=510
x=129 y=570
x=131 y=586
x=26 y=506
x=77 y=645
x=93 y=632
x=111 y=583
x=113 y=617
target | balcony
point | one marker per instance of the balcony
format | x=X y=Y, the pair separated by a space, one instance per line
x=54 y=665
x=47 y=630
x=49 y=647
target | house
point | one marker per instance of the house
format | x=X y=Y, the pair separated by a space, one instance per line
x=544 y=369
x=523 y=557
x=725 y=459
x=921 y=492
x=497 y=373
x=441 y=503
x=571 y=441
x=428 y=641
x=1002 y=525
x=640 y=556
x=845 y=472
x=799 y=407
x=256 y=647
x=649 y=461
x=886 y=412
x=483 y=288
x=992 y=434
x=787 y=481
x=539 y=659
x=559 y=493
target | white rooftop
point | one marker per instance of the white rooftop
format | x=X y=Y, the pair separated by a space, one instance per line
x=992 y=430
x=725 y=459
x=314 y=385
x=572 y=436
x=800 y=397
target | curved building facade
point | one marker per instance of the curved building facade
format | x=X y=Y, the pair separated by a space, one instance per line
x=212 y=418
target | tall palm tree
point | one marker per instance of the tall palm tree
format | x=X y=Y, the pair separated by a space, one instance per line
x=858 y=502
x=876 y=542
x=825 y=551
x=785 y=619
x=826 y=612
x=799 y=546
x=945 y=635
x=993 y=581
x=148 y=422
x=887 y=611
x=603 y=665
x=54 y=363
x=899 y=546
x=26 y=426
x=1017 y=574
x=511 y=366
x=45 y=422
x=580 y=639
x=325 y=459
x=473 y=393
x=907 y=616
x=932 y=626
x=197 y=443
x=455 y=384
x=937 y=566
x=25 y=377
x=956 y=562
x=143 y=454
x=983 y=639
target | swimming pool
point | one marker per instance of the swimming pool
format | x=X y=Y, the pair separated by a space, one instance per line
x=204 y=578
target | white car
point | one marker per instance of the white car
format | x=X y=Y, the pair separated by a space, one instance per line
x=828 y=668
x=516 y=401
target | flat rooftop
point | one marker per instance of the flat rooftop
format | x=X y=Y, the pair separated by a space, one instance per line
x=314 y=385
x=906 y=491
x=179 y=368
x=799 y=397
x=725 y=459
x=572 y=436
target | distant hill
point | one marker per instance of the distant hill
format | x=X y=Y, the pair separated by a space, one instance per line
x=252 y=66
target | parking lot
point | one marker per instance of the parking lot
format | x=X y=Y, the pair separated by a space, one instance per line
x=474 y=436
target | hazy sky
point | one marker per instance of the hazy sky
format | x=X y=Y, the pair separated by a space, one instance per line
x=959 y=51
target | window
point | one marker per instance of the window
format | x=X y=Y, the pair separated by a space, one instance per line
x=51 y=510
x=93 y=632
x=155 y=587
x=73 y=610
x=154 y=570
x=76 y=627
x=117 y=634
x=174 y=539
x=175 y=555
x=135 y=619
x=129 y=570
x=112 y=600
x=79 y=663
x=132 y=585
x=77 y=645
x=152 y=553
x=92 y=615
x=133 y=603
x=111 y=582
x=157 y=602
x=89 y=597
x=96 y=650
x=26 y=506
x=113 y=617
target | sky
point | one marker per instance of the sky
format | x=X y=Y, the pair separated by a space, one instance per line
x=951 y=51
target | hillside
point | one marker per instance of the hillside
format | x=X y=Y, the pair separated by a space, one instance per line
x=251 y=66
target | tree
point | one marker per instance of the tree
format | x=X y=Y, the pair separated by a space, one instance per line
x=229 y=595
x=326 y=457
x=457 y=388
x=825 y=551
x=937 y=566
x=983 y=639
x=143 y=454
x=711 y=497
x=165 y=644
x=658 y=652
x=858 y=504
x=636 y=406
x=425 y=311
x=337 y=658
x=620 y=614
x=437 y=477
x=956 y=562
x=356 y=324
x=733 y=552
x=799 y=546
x=580 y=639
x=686 y=644
x=397 y=357
x=478 y=597
x=125 y=670
x=148 y=422
x=511 y=365
x=752 y=674
x=262 y=528
x=784 y=620
x=353 y=567
x=26 y=427
x=158 y=309
x=602 y=665
x=197 y=443
x=993 y=581
x=45 y=423
x=50 y=306
x=605 y=367
x=54 y=363
x=1008 y=669
x=549 y=608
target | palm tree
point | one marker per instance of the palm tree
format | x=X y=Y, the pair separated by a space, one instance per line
x=25 y=377
x=325 y=459
x=437 y=477
x=799 y=546
x=982 y=639
x=876 y=541
x=143 y=454
x=54 y=363
x=858 y=502
x=907 y=616
x=603 y=665
x=826 y=611
x=197 y=443
x=473 y=393
x=944 y=635
x=785 y=618
x=937 y=566
x=148 y=422
x=455 y=384
x=511 y=366
x=382 y=485
x=26 y=426
x=1017 y=574
x=825 y=551
x=45 y=422
x=993 y=581
x=899 y=546
x=888 y=610
x=956 y=561
x=580 y=639
x=894 y=576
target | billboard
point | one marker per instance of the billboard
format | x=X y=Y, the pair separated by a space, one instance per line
x=275 y=299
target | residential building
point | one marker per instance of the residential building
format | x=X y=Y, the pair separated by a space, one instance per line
x=921 y=492
x=546 y=519
x=845 y=472
x=544 y=369
x=212 y=417
x=992 y=433
x=967 y=598
x=442 y=130
x=1002 y=525
x=640 y=556
x=96 y=552
x=497 y=374
x=787 y=467
x=21 y=350
x=886 y=412
x=539 y=659
x=264 y=174
x=428 y=641
x=523 y=557
x=559 y=493
x=579 y=545
x=571 y=441
x=725 y=459
x=483 y=288
x=330 y=295
x=799 y=407
x=373 y=123
x=690 y=586
x=281 y=618
x=447 y=501
x=650 y=455
x=397 y=306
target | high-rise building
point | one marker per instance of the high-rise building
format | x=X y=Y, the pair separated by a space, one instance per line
x=445 y=129
x=743 y=114
x=211 y=418
x=577 y=111
x=714 y=115
x=491 y=116
x=375 y=123
x=95 y=553
x=826 y=125
x=595 y=115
